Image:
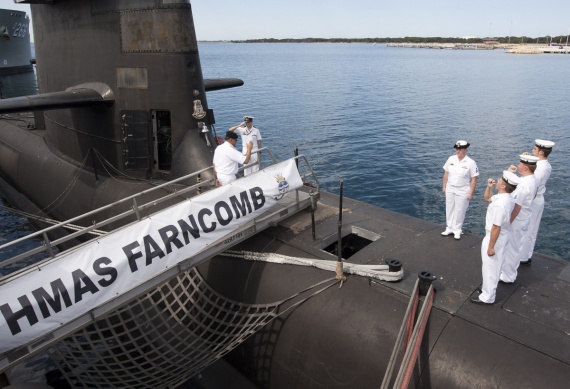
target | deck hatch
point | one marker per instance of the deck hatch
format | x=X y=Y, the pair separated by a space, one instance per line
x=353 y=240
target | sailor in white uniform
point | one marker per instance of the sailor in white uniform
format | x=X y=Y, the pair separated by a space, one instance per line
x=459 y=181
x=249 y=133
x=497 y=228
x=227 y=159
x=520 y=217
x=542 y=149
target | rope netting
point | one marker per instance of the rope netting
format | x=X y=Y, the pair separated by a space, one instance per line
x=168 y=335
x=161 y=339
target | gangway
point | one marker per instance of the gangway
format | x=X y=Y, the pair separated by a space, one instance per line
x=141 y=256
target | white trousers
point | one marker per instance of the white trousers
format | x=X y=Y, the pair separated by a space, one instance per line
x=514 y=252
x=491 y=266
x=253 y=169
x=537 y=208
x=456 y=205
x=226 y=178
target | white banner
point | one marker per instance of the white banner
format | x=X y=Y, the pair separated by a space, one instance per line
x=40 y=301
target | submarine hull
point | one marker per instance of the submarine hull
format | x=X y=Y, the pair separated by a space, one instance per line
x=343 y=337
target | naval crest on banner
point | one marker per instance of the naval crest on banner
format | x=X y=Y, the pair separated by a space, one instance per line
x=199 y=112
x=282 y=185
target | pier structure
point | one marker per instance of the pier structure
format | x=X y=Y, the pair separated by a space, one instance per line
x=509 y=48
x=446 y=46
x=534 y=49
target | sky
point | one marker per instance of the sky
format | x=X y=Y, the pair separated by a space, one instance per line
x=255 y=19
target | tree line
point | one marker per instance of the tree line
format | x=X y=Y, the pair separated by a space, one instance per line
x=409 y=39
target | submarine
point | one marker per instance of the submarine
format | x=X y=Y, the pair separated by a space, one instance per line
x=122 y=108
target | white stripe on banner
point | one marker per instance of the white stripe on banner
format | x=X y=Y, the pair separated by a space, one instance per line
x=42 y=300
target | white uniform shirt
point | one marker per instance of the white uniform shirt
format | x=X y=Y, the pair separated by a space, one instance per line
x=227 y=158
x=499 y=212
x=248 y=135
x=523 y=196
x=460 y=172
x=542 y=174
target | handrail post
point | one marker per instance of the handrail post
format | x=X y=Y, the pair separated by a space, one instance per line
x=339 y=268
x=136 y=208
x=48 y=245
x=296 y=154
x=313 y=209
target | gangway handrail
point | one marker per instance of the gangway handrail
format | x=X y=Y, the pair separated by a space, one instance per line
x=82 y=216
x=135 y=209
x=258 y=162
x=287 y=205
x=297 y=157
x=139 y=194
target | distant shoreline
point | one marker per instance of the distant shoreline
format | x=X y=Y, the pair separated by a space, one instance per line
x=513 y=40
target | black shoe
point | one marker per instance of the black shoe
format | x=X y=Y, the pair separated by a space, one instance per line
x=527 y=262
x=478 y=289
x=476 y=300
x=505 y=282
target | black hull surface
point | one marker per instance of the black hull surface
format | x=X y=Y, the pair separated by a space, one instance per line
x=344 y=337
x=56 y=185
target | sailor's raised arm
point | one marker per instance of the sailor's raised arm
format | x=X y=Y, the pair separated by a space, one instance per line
x=236 y=126
x=489 y=190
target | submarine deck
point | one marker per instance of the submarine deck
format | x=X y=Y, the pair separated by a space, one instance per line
x=534 y=311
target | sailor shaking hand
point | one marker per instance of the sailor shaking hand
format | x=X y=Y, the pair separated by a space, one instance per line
x=497 y=228
x=249 y=133
x=227 y=158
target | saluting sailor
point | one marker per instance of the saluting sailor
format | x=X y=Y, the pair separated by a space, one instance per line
x=497 y=228
x=227 y=159
x=542 y=149
x=249 y=133
x=520 y=217
x=459 y=181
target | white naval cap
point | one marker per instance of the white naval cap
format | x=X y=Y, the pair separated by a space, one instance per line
x=544 y=144
x=461 y=144
x=511 y=178
x=529 y=159
x=248 y=118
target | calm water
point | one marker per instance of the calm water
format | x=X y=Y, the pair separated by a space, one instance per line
x=384 y=120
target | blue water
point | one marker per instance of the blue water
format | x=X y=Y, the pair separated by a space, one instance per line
x=384 y=120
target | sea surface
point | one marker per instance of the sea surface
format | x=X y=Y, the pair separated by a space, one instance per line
x=384 y=120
